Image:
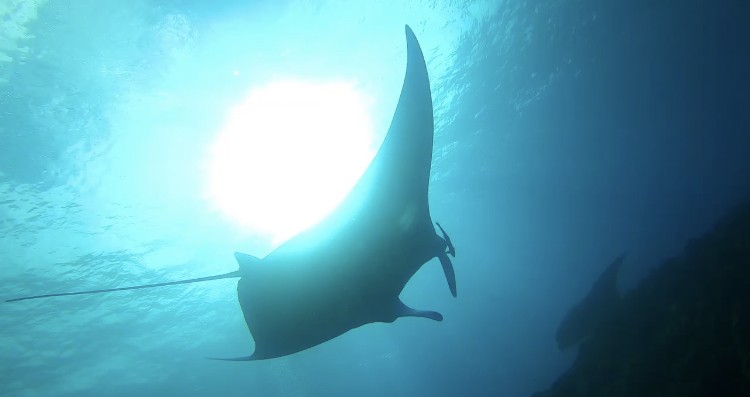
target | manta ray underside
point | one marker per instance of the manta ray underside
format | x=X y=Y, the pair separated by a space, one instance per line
x=349 y=269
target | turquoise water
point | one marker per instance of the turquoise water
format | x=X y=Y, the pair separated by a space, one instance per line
x=566 y=133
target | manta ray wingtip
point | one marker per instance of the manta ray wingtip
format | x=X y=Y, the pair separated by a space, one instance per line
x=245 y=358
x=410 y=36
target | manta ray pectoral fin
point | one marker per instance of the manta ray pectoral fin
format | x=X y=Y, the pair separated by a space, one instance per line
x=406 y=311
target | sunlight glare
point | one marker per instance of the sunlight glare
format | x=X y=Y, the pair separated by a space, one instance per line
x=289 y=154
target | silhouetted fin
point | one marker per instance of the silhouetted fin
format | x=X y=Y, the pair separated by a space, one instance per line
x=450 y=274
x=406 y=311
x=246 y=262
x=451 y=249
x=606 y=285
x=601 y=301
x=233 y=274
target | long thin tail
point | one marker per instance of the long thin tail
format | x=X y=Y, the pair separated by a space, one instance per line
x=192 y=280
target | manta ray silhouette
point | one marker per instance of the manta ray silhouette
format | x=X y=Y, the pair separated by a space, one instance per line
x=349 y=269
x=599 y=305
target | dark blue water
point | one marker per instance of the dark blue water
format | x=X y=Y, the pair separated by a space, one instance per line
x=566 y=132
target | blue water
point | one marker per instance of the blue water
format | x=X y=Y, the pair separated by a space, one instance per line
x=566 y=133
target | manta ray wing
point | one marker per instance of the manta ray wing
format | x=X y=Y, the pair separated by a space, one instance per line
x=348 y=270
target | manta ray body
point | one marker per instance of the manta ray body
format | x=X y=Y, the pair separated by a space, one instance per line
x=349 y=269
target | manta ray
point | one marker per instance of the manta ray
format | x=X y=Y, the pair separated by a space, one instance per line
x=596 y=307
x=349 y=269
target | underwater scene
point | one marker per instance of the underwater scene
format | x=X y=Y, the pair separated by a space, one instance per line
x=303 y=198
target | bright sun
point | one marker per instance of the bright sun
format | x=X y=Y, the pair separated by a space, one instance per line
x=289 y=154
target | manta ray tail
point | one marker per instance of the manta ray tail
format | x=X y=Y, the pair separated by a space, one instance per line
x=192 y=280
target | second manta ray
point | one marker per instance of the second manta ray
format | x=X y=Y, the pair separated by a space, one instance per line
x=349 y=269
